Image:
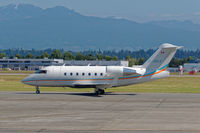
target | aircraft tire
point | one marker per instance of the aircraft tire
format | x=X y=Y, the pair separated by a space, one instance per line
x=97 y=93
x=102 y=92
x=37 y=92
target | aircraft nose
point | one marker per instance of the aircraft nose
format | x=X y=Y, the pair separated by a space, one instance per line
x=30 y=80
x=25 y=80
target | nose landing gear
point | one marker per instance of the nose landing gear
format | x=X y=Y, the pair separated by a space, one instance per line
x=37 y=90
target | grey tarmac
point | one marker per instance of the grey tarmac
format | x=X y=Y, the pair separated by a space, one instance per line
x=23 y=112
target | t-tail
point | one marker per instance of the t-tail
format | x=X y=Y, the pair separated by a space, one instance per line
x=161 y=58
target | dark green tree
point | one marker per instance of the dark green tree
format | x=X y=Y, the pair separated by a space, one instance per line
x=89 y=57
x=18 y=56
x=141 y=61
x=108 y=58
x=39 y=57
x=99 y=57
x=175 y=62
x=131 y=61
x=2 y=55
x=68 y=56
x=45 y=55
x=189 y=59
x=115 y=58
x=29 y=56
x=56 y=54
x=79 y=56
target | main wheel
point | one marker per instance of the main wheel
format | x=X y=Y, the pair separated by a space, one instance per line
x=102 y=92
x=97 y=92
x=37 y=92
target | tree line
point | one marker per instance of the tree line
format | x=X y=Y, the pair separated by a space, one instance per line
x=57 y=54
x=134 y=57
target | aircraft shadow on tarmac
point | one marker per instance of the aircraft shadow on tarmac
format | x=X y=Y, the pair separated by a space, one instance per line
x=77 y=93
x=94 y=95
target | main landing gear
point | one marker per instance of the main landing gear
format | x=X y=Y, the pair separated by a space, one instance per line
x=98 y=91
x=37 y=90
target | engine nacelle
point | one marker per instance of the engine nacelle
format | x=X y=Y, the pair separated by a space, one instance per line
x=124 y=71
x=132 y=71
x=114 y=70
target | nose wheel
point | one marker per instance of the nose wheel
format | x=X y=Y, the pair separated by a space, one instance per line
x=37 y=90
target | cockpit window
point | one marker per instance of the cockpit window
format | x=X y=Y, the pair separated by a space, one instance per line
x=41 y=72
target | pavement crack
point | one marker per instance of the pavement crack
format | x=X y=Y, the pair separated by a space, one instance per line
x=161 y=102
x=41 y=130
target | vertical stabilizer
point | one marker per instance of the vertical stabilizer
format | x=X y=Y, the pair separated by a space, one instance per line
x=161 y=58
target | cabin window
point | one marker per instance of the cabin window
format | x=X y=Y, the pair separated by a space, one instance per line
x=71 y=74
x=89 y=74
x=76 y=74
x=101 y=74
x=65 y=74
x=83 y=74
x=95 y=74
x=41 y=72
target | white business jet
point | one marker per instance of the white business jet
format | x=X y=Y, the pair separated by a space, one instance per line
x=102 y=77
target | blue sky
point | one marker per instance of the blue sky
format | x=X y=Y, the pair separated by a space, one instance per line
x=137 y=10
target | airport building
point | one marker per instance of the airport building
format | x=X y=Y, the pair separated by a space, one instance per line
x=36 y=64
x=96 y=63
x=28 y=64
x=172 y=69
x=191 y=67
x=194 y=65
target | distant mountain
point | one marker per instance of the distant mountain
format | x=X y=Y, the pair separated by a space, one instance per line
x=22 y=11
x=174 y=24
x=27 y=26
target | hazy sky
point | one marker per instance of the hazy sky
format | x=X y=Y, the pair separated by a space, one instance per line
x=137 y=10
